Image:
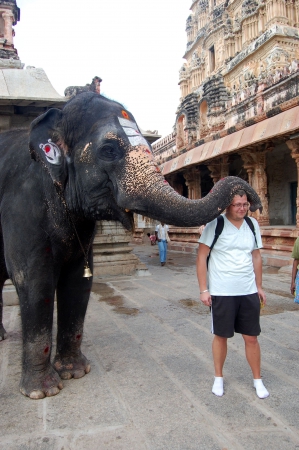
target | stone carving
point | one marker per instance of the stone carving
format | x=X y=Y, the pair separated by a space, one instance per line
x=71 y=91
x=38 y=74
x=10 y=63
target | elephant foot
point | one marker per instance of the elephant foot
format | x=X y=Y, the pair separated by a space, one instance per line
x=37 y=385
x=3 y=334
x=71 y=366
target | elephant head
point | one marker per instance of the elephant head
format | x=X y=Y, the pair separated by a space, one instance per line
x=96 y=155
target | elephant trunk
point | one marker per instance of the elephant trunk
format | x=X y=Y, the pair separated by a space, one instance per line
x=146 y=192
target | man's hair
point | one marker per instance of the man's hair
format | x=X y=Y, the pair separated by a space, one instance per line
x=240 y=192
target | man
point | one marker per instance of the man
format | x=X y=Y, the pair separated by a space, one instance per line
x=232 y=287
x=161 y=233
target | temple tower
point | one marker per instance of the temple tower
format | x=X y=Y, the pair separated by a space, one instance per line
x=24 y=94
x=9 y=16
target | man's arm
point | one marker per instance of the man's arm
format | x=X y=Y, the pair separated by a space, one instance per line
x=201 y=270
x=257 y=267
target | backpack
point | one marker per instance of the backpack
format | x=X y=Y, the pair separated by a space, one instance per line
x=219 y=229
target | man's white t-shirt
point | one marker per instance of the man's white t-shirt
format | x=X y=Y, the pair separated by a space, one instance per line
x=230 y=269
x=161 y=231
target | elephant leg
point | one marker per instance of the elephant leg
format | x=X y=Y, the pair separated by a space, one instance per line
x=39 y=379
x=73 y=293
x=30 y=265
x=3 y=334
x=3 y=277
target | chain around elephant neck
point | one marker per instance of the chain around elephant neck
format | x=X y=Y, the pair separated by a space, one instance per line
x=85 y=253
x=70 y=217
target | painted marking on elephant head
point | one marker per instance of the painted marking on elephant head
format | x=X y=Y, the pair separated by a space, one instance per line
x=125 y=114
x=52 y=152
x=85 y=156
x=132 y=133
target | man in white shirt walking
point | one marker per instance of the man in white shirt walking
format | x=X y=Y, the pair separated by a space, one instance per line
x=232 y=287
x=162 y=238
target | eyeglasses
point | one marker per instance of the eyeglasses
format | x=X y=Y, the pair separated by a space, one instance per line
x=240 y=205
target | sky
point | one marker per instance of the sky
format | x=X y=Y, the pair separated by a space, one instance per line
x=135 y=46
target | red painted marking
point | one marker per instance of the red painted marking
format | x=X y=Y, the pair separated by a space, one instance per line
x=47 y=300
x=125 y=114
x=47 y=148
x=78 y=336
x=165 y=182
x=46 y=350
x=48 y=249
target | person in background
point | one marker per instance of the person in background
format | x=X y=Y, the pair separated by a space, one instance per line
x=295 y=272
x=152 y=238
x=162 y=238
x=232 y=287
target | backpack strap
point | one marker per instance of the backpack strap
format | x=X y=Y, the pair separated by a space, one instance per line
x=251 y=226
x=218 y=231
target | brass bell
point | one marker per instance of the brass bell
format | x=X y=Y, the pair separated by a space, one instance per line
x=87 y=272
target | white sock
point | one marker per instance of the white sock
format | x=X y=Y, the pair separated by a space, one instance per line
x=261 y=391
x=217 y=388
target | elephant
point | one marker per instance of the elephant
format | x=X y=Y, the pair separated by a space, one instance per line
x=86 y=162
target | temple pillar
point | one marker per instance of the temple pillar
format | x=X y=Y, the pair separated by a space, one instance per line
x=224 y=167
x=294 y=147
x=219 y=168
x=215 y=169
x=296 y=24
x=255 y=164
x=112 y=254
x=193 y=183
x=290 y=11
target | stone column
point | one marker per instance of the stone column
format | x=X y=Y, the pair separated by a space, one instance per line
x=8 y=21
x=224 y=171
x=294 y=147
x=290 y=12
x=193 y=182
x=215 y=169
x=219 y=168
x=112 y=254
x=255 y=164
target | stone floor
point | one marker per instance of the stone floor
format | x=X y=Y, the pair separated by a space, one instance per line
x=149 y=342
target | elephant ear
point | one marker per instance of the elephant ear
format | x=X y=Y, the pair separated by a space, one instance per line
x=42 y=148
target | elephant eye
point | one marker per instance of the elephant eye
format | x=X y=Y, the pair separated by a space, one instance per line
x=109 y=152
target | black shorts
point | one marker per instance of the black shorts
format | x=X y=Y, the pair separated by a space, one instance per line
x=240 y=314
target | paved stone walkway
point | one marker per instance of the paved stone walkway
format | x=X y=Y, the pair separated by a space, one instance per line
x=149 y=342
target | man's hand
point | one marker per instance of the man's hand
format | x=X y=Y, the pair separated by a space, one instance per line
x=262 y=296
x=206 y=298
